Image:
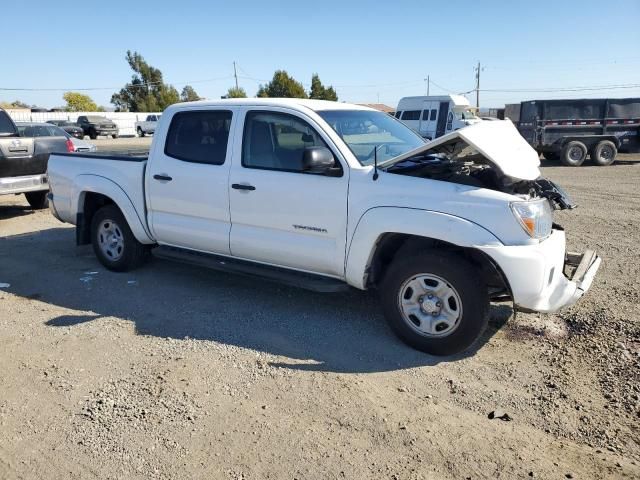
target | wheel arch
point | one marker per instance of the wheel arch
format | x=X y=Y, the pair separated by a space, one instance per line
x=97 y=192
x=371 y=250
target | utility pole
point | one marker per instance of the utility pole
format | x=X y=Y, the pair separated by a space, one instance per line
x=478 y=85
x=235 y=74
x=428 y=82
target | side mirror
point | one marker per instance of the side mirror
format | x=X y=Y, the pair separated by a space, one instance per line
x=317 y=160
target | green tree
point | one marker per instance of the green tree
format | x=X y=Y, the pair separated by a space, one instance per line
x=14 y=104
x=189 y=94
x=236 y=92
x=282 y=85
x=147 y=91
x=320 y=92
x=79 y=102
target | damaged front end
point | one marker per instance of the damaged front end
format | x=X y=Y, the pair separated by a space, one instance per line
x=474 y=156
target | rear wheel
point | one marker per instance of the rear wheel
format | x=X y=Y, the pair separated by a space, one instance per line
x=551 y=156
x=114 y=136
x=140 y=132
x=435 y=301
x=604 y=153
x=573 y=154
x=113 y=242
x=37 y=200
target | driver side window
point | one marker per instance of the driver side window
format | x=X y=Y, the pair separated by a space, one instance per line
x=277 y=141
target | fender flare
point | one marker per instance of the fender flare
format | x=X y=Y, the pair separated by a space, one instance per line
x=98 y=184
x=378 y=221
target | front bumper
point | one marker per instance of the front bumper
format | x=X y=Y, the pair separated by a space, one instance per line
x=543 y=277
x=23 y=184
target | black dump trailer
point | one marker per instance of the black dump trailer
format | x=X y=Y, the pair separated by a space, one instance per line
x=569 y=130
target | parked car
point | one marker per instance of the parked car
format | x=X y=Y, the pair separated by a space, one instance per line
x=278 y=188
x=433 y=116
x=94 y=125
x=23 y=161
x=40 y=130
x=148 y=126
x=568 y=130
x=71 y=128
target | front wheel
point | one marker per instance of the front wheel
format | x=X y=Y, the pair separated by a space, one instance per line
x=435 y=302
x=93 y=134
x=37 y=200
x=140 y=132
x=113 y=242
x=114 y=136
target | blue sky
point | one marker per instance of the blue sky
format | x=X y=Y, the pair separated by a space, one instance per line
x=368 y=50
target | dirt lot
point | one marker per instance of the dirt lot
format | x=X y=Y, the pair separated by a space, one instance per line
x=176 y=372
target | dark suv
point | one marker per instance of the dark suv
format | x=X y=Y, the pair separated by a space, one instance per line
x=94 y=125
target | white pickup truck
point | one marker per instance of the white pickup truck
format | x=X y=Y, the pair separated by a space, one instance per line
x=325 y=195
x=148 y=125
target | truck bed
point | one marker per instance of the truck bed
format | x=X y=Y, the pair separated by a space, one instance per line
x=70 y=174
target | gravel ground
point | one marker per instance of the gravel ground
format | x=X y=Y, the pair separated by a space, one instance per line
x=176 y=372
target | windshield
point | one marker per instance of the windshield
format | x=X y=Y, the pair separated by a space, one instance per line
x=465 y=115
x=92 y=118
x=364 y=130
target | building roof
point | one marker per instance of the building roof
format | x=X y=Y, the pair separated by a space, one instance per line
x=379 y=106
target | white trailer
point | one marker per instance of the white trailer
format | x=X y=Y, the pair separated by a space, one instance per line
x=433 y=116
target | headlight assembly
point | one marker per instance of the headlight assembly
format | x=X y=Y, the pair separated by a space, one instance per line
x=535 y=217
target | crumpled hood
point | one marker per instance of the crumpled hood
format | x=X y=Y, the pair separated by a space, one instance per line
x=499 y=141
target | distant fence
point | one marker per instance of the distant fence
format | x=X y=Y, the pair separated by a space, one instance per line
x=124 y=120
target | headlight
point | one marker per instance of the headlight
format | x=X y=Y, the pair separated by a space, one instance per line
x=535 y=216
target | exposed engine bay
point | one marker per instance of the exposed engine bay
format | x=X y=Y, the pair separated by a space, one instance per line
x=458 y=162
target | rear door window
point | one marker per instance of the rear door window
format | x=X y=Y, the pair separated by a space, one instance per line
x=434 y=114
x=199 y=136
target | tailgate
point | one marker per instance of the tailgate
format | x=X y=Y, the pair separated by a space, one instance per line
x=17 y=159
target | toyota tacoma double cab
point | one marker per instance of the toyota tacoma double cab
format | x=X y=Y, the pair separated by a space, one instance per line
x=23 y=161
x=327 y=196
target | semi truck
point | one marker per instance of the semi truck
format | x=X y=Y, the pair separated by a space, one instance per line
x=569 y=130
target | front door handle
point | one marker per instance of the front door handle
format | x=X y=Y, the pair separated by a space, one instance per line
x=162 y=177
x=240 y=186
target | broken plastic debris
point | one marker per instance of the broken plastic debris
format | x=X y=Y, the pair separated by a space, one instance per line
x=500 y=415
x=5 y=285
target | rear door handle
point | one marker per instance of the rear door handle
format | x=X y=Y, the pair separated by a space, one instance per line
x=240 y=186
x=165 y=178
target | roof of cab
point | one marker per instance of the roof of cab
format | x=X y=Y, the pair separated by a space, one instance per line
x=296 y=103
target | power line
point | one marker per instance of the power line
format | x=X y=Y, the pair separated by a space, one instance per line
x=563 y=89
x=128 y=85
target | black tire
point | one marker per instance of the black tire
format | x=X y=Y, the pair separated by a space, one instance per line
x=604 y=153
x=114 y=136
x=140 y=132
x=130 y=254
x=573 y=154
x=551 y=156
x=92 y=134
x=37 y=200
x=457 y=274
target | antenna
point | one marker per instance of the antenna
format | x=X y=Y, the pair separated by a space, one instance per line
x=375 y=163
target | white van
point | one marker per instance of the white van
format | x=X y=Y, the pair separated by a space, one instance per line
x=434 y=116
